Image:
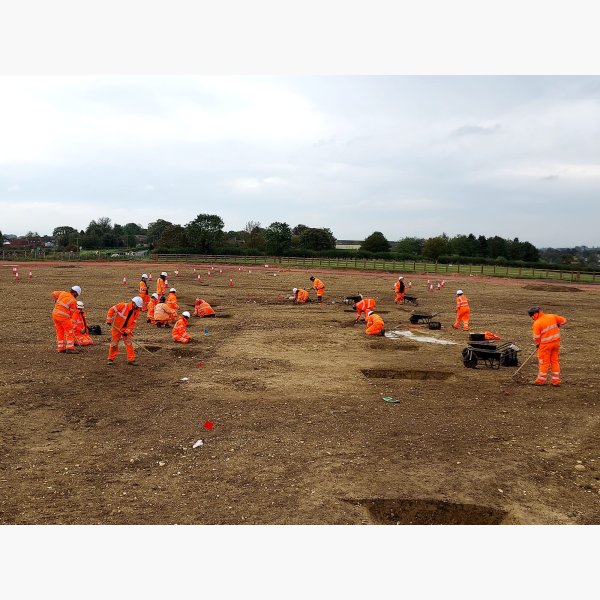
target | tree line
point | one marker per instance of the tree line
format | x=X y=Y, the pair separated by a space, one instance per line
x=205 y=235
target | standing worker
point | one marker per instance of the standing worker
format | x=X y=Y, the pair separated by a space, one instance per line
x=318 y=286
x=546 y=337
x=364 y=305
x=179 y=332
x=144 y=291
x=300 y=295
x=375 y=324
x=80 y=326
x=172 y=299
x=151 y=306
x=463 y=311
x=399 y=289
x=161 y=284
x=65 y=305
x=123 y=317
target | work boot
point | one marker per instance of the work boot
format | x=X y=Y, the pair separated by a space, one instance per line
x=133 y=363
x=109 y=363
x=71 y=351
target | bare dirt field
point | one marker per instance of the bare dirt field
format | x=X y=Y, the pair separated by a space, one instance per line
x=301 y=432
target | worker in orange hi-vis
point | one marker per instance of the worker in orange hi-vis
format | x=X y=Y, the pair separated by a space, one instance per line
x=161 y=284
x=375 y=324
x=203 y=309
x=300 y=295
x=80 y=326
x=546 y=337
x=65 y=305
x=122 y=318
x=363 y=306
x=318 y=286
x=164 y=314
x=179 y=332
x=151 y=306
x=463 y=312
x=399 y=289
x=143 y=293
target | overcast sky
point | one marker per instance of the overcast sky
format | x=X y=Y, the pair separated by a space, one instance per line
x=514 y=156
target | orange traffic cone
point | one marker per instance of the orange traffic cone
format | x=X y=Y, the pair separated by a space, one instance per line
x=17 y=276
x=150 y=277
x=30 y=275
x=199 y=277
x=124 y=280
x=230 y=282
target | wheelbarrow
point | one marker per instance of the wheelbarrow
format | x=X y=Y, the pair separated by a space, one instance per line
x=420 y=317
x=411 y=300
x=494 y=354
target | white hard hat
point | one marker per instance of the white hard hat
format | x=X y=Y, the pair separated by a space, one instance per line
x=370 y=313
x=399 y=278
x=155 y=295
x=172 y=290
x=164 y=273
x=144 y=276
x=137 y=301
x=459 y=292
x=77 y=289
x=185 y=314
x=295 y=290
x=80 y=304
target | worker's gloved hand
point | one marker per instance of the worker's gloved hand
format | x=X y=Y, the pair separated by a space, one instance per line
x=127 y=332
x=108 y=323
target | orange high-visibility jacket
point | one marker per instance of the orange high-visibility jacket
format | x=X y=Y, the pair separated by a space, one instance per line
x=375 y=319
x=546 y=328
x=318 y=285
x=151 y=305
x=143 y=288
x=399 y=287
x=364 y=306
x=163 y=312
x=461 y=302
x=302 y=295
x=172 y=301
x=203 y=308
x=179 y=327
x=123 y=317
x=161 y=287
x=65 y=305
x=79 y=322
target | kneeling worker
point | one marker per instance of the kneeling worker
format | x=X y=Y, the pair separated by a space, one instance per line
x=179 y=332
x=163 y=313
x=300 y=296
x=80 y=326
x=203 y=309
x=375 y=324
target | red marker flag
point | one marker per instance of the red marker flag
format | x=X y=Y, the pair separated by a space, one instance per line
x=209 y=425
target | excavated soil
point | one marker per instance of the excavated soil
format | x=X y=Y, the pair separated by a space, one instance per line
x=295 y=392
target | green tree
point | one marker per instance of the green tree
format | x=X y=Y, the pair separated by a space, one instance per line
x=254 y=236
x=63 y=236
x=173 y=236
x=299 y=229
x=497 y=247
x=99 y=234
x=130 y=230
x=376 y=242
x=410 y=246
x=205 y=232
x=155 y=230
x=436 y=246
x=278 y=237
x=316 y=239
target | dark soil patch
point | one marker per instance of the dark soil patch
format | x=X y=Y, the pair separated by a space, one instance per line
x=549 y=287
x=409 y=374
x=383 y=345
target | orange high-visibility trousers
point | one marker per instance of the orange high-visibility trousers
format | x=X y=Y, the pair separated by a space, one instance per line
x=113 y=347
x=65 y=339
x=399 y=298
x=548 y=358
x=462 y=314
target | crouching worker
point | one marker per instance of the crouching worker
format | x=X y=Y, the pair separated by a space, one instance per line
x=375 y=324
x=122 y=318
x=151 y=306
x=80 y=327
x=179 y=332
x=163 y=314
x=363 y=306
x=300 y=296
x=203 y=309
